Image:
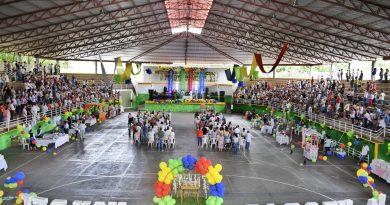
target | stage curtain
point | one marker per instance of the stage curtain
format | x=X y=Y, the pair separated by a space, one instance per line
x=201 y=83
x=183 y=80
x=170 y=82
x=190 y=79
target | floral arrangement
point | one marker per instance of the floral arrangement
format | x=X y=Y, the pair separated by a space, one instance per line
x=186 y=101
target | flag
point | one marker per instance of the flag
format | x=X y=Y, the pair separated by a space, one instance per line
x=102 y=66
x=238 y=73
x=244 y=72
x=228 y=74
x=128 y=70
x=234 y=80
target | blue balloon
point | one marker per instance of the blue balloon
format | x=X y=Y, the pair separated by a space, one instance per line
x=48 y=151
x=373 y=185
x=213 y=193
x=7 y=181
x=19 y=176
x=26 y=191
x=49 y=122
x=356 y=142
x=369 y=168
x=13 y=180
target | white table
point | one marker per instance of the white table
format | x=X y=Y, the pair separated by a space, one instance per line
x=91 y=122
x=57 y=139
x=381 y=168
x=73 y=131
x=266 y=129
x=57 y=120
x=3 y=163
x=282 y=138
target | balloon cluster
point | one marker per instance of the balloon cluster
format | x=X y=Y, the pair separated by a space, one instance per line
x=14 y=181
x=350 y=134
x=388 y=148
x=202 y=165
x=167 y=200
x=189 y=162
x=213 y=176
x=366 y=180
x=323 y=158
x=214 y=200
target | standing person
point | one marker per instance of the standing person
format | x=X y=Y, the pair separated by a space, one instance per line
x=373 y=73
x=363 y=155
x=199 y=135
x=386 y=75
x=248 y=139
x=235 y=144
x=380 y=74
x=382 y=97
x=327 y=144
x=82 y=128
x=160 y=135
x=361 y=75
x=341 y=74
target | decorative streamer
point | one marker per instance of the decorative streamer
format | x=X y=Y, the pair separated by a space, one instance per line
x=244 y=72
x=258 y=61
x=127 y=73
x=256 y=74
x=102 y=66
x=234 y=80
x=190 y=79
x=170 y=82
x=138 y=65
x=201 y=83
x=228 y=74
x=183 y=78
x=237 y=71
x=240 y=83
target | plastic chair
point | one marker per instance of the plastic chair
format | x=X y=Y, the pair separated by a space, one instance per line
x=100 y=203
x=25 y=143
x=59 y=202
x=241 y=144
x=171 y=143
x=40 y=201
x=205 y=141
x=213 y=142
x=112 y=203
x=150 y=143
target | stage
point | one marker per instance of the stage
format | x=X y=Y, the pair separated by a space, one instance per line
x=183 y=107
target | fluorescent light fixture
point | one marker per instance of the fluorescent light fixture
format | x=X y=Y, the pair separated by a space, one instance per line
x=184 y=29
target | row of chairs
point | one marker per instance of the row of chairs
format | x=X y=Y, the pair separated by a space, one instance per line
x=44 y=201
x=212 y=143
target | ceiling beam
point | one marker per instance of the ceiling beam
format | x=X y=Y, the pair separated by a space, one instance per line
x=267 y=43
x=155 y=48
x=157 y=29
x=70 y=26
x=83 y=34
x=55 y=12
x=318 y=18
x=289 y=37
x=363 y=6
x=216 y=49
x=7 y=2
x=113 y=45
x=303 y=31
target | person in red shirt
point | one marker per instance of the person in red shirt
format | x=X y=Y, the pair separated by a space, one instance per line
x=199 y=135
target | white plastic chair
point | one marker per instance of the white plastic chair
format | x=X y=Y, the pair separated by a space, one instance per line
x=205 y=141
x=150 y=143
x=112 y=203
x=25 y=144
x=100 y=203
x=77 y=202
x=86 y=203
x=171 y=143
x=122 y=203
x=213 y=142
x=241 y=144
x=40 y=201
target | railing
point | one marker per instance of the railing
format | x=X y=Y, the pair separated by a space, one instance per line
x=341 y=125
x=123 y=86
x=7 y=126
x=351 y=151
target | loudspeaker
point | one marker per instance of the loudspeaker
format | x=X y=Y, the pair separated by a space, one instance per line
x=228 y=74
x=165 y=89
x=151 y=97
x=222 y=96
x=207 y=91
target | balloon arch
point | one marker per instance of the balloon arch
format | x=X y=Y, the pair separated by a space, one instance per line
x=203 y=166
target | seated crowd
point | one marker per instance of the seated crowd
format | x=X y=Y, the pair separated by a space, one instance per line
x=152 y=128
x=327 y=97
x=41 y=93
x=213 y=131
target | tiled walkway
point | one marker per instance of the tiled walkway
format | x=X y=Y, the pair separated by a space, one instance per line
x=107 y=166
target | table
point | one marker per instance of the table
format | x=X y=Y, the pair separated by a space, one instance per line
x=56 y=139
x=189 y=189
x=381 y=168
x=282 y=138
x=73 y=131
x=91 y=122
x=57 y=120
x=266 y=129
x=3 y=163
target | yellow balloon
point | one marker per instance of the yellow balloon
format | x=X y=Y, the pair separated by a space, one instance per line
x=1 y=200
x=325 y=158
x=44 y=149
x=19 y=201
x=361 y=172
x=349 y=144
x=1 y=193
x=163 y=165
x=218 y=167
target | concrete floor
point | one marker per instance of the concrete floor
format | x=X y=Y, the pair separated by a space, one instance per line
x=107 y=166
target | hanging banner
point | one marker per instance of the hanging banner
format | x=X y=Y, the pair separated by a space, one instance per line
x=259 y=60
x=244 y=72
x=234 y=80
x=228 y=74
x=201 y=83
x=183 y=80
x=128 y=71
x=237 y=71
x=253 y=66
x=240 y=83
x=138 y=65
x=102 y=66
x=170 y=82
x=255 y=74
x=190 y=79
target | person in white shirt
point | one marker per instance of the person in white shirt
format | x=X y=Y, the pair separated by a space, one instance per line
x=82 y=127
x=248 y=139
x=367 y=119
x=365 y=150
x=382 y=97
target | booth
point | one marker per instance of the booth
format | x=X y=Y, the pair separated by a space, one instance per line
x=311 y=140
x=183 y=107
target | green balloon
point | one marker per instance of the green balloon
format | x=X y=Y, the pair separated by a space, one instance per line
x=156 y=199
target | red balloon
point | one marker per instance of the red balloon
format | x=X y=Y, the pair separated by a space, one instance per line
x=18 y=193
x=22 y=132
x=321 y=157
x=33 y=142
x=20 y=183
x=342 y=146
